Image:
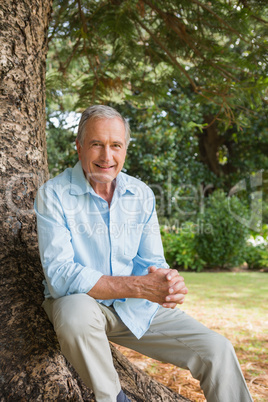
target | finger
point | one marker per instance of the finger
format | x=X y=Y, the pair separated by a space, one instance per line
x=178 y=287
x=169 y=305
x=152 y=269
x=172 y=274
x=176 y=298
x=172 y=304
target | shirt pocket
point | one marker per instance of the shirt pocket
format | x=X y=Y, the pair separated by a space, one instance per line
x=132 y=238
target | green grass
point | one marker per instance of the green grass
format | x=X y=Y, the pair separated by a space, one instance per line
x=247 y=290
x=236 y=305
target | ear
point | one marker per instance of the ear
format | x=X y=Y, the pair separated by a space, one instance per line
x=78 y=147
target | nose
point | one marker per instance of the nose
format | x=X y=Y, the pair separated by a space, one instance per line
x=106 y=154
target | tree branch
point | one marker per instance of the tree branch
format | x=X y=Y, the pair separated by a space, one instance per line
x=57 y=21
x=246 y=5
x=181 y=32
x=172 y=58
x=204 y=6
x=68 y=61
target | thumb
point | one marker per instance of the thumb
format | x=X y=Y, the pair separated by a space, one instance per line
x=152 y=269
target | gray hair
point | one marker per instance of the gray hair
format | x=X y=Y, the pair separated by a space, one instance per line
x=100 y=112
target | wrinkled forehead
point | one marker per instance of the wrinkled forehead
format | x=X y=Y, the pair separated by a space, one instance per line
x=102 y=128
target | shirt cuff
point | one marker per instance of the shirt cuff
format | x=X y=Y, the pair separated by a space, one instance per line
x=87 y=279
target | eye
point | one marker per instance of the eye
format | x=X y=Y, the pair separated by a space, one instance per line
x=117 y=145
x=96 y=144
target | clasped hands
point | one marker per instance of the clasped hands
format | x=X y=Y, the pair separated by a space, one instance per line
x=161 y=285
x=167 y=287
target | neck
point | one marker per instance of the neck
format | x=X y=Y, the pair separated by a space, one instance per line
x=104 y=190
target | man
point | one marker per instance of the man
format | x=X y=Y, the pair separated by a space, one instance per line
x=106 y=275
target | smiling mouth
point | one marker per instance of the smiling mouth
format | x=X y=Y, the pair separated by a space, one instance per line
x=104 y=167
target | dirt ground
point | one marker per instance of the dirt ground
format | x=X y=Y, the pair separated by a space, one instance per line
x=250 y=343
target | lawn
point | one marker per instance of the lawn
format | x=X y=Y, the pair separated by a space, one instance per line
x=234 y=304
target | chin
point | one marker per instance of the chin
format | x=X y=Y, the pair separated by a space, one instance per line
x=102 y=178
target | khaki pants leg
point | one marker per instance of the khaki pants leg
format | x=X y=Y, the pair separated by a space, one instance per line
x=177 y=338
x=80 y=326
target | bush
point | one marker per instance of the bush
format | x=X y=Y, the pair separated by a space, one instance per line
x=224 y=244
x=264 y=257
x=257 y=256
x=257 y=249
x=180 y=249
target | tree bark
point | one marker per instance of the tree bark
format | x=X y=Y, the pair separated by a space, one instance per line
x=32 y=367
x=209 y=144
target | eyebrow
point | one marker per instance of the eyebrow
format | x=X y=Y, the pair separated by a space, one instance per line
x=100 y=142
x=92 y=141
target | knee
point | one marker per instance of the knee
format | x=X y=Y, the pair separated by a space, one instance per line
x=219 y=349
x=77 y=317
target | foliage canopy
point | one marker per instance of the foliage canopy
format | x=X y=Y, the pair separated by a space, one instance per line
x=190 y=75
x=134 y=50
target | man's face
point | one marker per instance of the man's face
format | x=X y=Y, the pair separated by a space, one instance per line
x=103 y=152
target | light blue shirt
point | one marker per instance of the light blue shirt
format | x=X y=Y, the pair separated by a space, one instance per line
x=81 y=239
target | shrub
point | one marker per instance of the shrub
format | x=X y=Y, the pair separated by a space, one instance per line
x=180 y=249
x=256 y=256
x=264 y=257
x=257 y=249
x=224 y=245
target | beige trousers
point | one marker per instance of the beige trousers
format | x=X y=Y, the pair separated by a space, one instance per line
x=83 y=328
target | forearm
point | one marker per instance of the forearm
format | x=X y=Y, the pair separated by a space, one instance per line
x=117 y=287
x=162 y=286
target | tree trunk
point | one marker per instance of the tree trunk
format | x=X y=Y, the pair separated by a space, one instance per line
x=32 y=366
x=209 y=143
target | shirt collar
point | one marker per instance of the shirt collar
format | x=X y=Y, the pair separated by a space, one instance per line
x=80 y=185
x=123 y=184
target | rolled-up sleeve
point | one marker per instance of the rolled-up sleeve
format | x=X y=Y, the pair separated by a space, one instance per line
x=64 y=275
